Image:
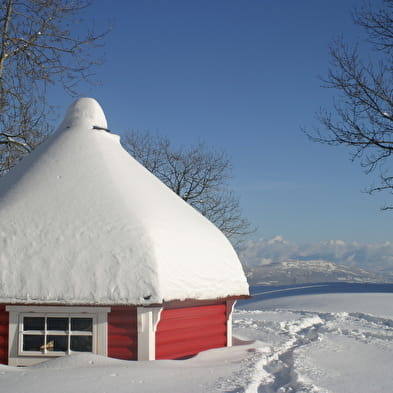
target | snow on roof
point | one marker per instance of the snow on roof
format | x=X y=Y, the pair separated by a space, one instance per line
x=82 y=222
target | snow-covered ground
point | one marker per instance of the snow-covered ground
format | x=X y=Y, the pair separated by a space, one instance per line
x=336 y=343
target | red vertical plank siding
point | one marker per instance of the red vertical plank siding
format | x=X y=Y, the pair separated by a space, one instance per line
x=122 y=333
x=3 y=335
x=184 y=332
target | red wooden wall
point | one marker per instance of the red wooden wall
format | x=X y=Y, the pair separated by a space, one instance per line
x=3 y=335
x=122 y=333
x=184 y=332
x=181 y=332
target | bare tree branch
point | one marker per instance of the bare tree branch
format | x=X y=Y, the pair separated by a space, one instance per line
x=197 y=174
x=38 y=49
x=363 y=112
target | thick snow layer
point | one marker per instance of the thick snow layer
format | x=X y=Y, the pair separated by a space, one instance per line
x=303 y=345
x=82 y=222
x=213 y=371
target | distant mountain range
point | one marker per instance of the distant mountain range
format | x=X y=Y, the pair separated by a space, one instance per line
x=302 y=272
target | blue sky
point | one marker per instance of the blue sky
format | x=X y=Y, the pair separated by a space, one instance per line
x=243 y=76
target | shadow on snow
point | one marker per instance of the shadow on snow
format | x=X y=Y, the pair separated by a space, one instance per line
x=265 y=292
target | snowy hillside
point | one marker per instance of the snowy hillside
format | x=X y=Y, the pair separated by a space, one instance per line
x=331 y=343
x=302 y=272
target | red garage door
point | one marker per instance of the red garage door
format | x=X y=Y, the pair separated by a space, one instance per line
x=184 y=332
x=122 y=333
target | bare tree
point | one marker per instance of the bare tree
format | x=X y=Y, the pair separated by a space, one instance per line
x=363 y=115
x=197 y=174
x=37 y=49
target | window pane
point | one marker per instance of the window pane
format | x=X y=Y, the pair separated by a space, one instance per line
x=82 y=324
x=57 y=343
x=82 y=343
x=33 y=323
x=32 y=342
x=57 y=323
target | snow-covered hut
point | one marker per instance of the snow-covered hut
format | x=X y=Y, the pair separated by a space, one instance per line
x=98 y=255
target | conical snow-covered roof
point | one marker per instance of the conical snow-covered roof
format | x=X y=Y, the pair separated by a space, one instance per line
x=82 y=222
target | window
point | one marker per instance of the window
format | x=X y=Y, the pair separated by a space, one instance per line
x=56 y=333
x=37 y=333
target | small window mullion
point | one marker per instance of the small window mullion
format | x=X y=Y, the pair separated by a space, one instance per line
x=69 y=335
x=45 y=333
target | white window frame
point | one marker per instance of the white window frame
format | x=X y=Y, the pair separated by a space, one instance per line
x=18 y=357
x=68 y=333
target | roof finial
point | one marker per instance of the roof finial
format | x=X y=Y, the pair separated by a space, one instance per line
x=85 y=110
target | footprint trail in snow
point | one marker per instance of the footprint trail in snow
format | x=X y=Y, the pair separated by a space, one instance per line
x=307 y=351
